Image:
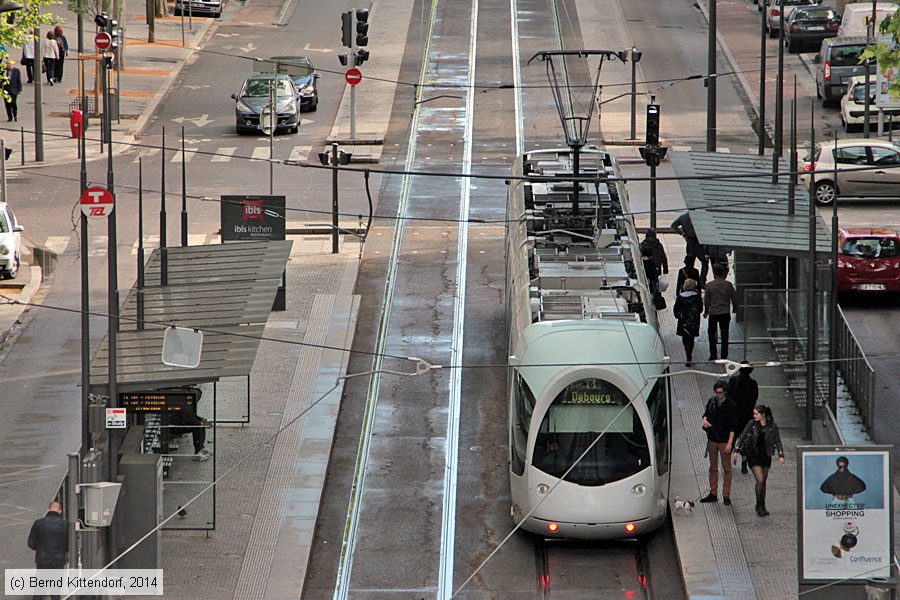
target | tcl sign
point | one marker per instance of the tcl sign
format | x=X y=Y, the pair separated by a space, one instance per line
x=97 y=202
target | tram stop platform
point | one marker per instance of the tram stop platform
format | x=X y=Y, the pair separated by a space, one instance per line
x=728 y=552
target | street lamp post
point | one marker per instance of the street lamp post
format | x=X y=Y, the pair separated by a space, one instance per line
x=762 y=82
x=635 y=59
x=711 y=81
x=779 y=94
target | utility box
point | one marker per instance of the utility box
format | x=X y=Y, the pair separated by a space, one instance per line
x=100 y=502
x=140 y=511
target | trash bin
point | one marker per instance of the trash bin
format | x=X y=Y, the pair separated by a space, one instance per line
x=114 y=103
x=879 y=588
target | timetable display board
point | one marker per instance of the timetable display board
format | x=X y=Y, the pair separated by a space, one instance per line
x=159 y=401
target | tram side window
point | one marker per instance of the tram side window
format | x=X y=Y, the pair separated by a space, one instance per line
x=523 y=406
x=658 y=405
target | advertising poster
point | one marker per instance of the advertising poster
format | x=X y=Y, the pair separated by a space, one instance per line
x=252 y=218
x=845 y=515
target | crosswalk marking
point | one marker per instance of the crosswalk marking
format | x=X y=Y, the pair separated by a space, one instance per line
x=145 y=153
x=260 y=152
x=300 y=152
x=97 y=245
x=224 y=154
x=57 y=244
x=188 y=156
x=150 y=242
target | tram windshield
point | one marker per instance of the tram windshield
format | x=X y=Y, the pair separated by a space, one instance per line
x=577 y=416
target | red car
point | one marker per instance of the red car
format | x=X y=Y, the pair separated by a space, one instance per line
x=868 y=260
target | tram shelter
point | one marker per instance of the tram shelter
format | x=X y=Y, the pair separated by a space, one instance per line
x=770 y=237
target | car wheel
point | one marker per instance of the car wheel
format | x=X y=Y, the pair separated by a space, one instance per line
x=314 y=106
x=824 y=193
x=772 y=33
x=295 y=129
x=14 y=270
x=818 y=93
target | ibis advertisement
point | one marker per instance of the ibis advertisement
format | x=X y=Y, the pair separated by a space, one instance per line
x=252 y=218
x=845 y=520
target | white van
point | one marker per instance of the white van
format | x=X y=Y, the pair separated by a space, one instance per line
x=857 y=16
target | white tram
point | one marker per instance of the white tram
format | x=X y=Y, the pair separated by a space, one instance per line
x=585 y=358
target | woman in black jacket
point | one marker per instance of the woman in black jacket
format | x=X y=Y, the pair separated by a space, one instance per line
x=758 y=443
x=687 y=309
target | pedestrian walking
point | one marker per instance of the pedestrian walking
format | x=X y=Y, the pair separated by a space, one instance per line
x=63 y=44
x=28 y=59
x=50 y=53
x=719 y=420
x=12 y=87
x=688 y=271
x=744 y=391
x=685 y=228
x=49 y=538
x=687 y=309
x=658 y=252
x=758 y=442
x=718 y=301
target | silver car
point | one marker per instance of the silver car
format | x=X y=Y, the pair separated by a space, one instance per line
x=254 y=96
x=774 y=9
x=868 y=168
x=10 y=242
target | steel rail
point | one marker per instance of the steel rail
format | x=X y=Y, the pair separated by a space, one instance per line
x=451 y=462
x=348 y=542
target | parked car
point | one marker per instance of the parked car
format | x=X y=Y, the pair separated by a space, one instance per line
x=254 y=96
x=868 y=260
x=857 y=15
x=809 y=25
x=865 y=168
x=10 y=242
x=305 y=77
x=853 y=104
x=212 y=8
x=836 y=62
x=775 y=7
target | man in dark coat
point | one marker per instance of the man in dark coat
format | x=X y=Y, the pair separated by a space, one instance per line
x=658 y=252
x=49 y=538
x=719 y=421
x=12 y=87
x=685 y=228
x=744 y=391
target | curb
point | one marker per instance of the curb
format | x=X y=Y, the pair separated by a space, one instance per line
x=25 y=295
x=732 y=63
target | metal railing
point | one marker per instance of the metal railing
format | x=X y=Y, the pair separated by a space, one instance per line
x=854 y=368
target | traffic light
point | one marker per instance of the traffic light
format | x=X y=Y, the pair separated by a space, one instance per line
x=362 y=27
x=347 y=29
x=343 y=59
x=361 y=57
x=653 y=124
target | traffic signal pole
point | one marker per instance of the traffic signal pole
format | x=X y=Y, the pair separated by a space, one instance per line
x=352 y=61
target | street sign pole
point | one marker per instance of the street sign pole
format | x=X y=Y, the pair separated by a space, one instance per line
x=352 y=62
x=335 y=233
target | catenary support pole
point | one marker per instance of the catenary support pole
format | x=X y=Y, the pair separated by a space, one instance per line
x=833 y=305
x=38 y=98
x=811 y=324
x=653 y=196
x=762 y=82
x=163 y=245
x=711 y=81
x=633 y=94
x=335 y=233
x=85 y=306
x=778 y=142
x=184 y=213
x=140 y=249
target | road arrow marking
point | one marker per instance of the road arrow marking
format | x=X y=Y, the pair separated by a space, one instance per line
x=198 y=121
x=250 y=47
x=323 y=50
x=196 y=87
x=228 y=35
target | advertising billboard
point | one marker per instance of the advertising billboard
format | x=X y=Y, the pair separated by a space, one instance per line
x=845 y=516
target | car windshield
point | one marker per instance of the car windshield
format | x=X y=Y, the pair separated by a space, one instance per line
x=859 y=93
x=256 y=88
x=813 y=13
x=575 y=419
x=846 y=56
x=871 y=247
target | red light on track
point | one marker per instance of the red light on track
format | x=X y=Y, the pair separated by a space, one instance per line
x=553 y=527
x=629 y=527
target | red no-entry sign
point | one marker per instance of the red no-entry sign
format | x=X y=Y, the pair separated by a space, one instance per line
x=353 y=76
x=97 y=202
x=102 y=40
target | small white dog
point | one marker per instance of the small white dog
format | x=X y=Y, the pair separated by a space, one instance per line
x=686 y=506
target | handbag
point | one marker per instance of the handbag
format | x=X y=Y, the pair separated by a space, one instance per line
x=43 y=67
x=659 y=301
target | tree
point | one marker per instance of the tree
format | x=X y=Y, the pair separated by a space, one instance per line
x=887 y=55
x=19 y=26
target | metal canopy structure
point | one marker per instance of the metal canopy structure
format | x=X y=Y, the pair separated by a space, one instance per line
x=226 y=289
x=749 y=214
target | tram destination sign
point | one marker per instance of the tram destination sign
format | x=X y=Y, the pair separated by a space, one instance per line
x=159 y=401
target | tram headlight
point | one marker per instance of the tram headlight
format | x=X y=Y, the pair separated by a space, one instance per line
x=630 y=527
x=639 y=490
x=543 y=488
x=552 y=527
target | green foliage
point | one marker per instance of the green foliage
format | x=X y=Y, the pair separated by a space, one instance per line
x=33 y=15
x=90 y=8
x=887 y=55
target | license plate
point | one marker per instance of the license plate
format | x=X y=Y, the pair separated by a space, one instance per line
x=871 y=287
x=817 y=29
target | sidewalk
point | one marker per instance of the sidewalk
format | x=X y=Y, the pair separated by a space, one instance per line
x=149 y=73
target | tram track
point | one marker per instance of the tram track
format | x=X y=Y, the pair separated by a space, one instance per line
x=569 y=569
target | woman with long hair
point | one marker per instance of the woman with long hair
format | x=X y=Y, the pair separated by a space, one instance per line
x=50 y=54
x=758 y=443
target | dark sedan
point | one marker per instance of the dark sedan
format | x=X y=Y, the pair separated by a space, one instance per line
x=809 y=26
x=304 y=76
x=254 y=97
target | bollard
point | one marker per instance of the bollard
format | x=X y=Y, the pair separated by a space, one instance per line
x=879 y=588
x=22 y=140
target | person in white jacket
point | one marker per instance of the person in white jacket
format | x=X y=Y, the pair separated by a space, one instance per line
x=28 y=59
x=50 y=54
